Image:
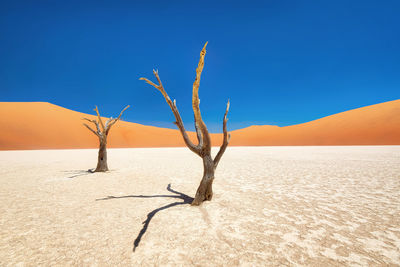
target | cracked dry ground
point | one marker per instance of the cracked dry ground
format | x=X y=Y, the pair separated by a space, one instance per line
x=272 y=206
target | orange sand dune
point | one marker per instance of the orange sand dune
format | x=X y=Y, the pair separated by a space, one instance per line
x=372 y=125
x=36 y=125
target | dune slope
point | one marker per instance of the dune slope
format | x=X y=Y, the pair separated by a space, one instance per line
x=38 y=125
x=371 y=125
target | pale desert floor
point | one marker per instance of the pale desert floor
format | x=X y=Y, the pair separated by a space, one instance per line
x=278 y=206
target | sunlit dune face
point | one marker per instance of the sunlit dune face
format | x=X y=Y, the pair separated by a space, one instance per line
x=372 y=125
x=45 y=126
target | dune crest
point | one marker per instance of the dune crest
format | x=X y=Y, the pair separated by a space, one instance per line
x=40 y=125
x=371 y=125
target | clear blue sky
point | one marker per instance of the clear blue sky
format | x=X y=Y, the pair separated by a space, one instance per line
x=280 y=62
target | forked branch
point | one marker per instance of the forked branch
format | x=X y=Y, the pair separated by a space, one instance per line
x=96 y=124
x=110 y=122
x=172 y=105
x=203 y=149
x=99 y=118
x=93 y=131
x=104 y=128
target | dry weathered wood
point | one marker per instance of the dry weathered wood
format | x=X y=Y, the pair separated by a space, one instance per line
x=93 y=131
x=227 y=136
x=110 y=122
x=172 y=105
x=196 y=104
x=99 y=118
x=102 y=133
x=203 y=148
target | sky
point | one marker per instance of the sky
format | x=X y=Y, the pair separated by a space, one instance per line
x=279 y=62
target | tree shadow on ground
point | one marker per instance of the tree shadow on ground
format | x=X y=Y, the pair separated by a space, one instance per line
x=178 y=195
x=77 y=173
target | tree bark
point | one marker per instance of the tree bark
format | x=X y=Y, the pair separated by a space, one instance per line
x=203 y=149
x=102 y=158
x=204 y=191
x=102 y=132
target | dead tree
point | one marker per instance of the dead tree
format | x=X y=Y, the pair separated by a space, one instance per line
x=203 y=148
x=102 y=132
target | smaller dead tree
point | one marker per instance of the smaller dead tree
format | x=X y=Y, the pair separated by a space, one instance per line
x=203 y=148
x=102 y=131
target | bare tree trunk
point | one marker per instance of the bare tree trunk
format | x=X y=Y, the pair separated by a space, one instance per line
x=102 y=133
x=203 y=148
x=102 y=158
x=204 y=191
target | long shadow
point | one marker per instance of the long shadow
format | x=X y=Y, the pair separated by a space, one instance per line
x=77 y=173
x=186 y=200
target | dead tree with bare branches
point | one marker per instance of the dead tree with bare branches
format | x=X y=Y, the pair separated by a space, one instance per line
x=102 y=131
x=203 y=148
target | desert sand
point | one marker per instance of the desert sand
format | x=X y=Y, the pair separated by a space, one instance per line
x=36 y=125
x=272 y=206
x=371 y=125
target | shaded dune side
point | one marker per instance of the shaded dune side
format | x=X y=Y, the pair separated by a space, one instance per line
x=38 y=125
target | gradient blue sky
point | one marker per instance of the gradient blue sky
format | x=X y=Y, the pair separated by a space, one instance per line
x=279 y=62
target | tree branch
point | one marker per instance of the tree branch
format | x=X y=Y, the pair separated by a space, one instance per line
x=113 y=121
x=225 y=142
x=172 y=105
x=108 y=121
x=93 y=131
x=196 y=103
x=198 y=132
x=100 y=121
x=93 y=121
x=120 y=114
x=96 y=124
